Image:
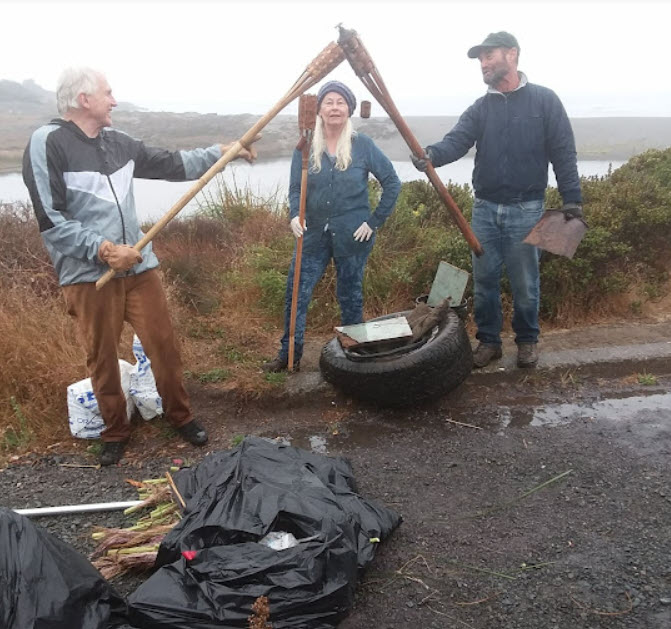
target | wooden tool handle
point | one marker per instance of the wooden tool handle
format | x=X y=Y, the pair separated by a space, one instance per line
x=307 y=118
x=362 y=64
x=229 y=155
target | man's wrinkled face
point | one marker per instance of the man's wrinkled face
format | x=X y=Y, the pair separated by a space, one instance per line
x=495 y=64
x=100 y=103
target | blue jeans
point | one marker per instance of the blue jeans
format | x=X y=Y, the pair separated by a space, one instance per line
x=501 y=230
x=349 y=290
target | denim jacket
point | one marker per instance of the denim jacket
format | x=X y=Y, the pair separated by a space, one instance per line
x=339 y=199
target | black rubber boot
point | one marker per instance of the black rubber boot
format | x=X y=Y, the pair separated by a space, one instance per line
x=112 y=452
x=194 y=433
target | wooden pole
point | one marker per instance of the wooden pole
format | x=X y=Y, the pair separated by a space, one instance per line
x=365 y=69
x=307 y=118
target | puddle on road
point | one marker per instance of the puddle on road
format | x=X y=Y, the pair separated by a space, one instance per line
x=611 y=409
x=350 y=433
x=651 y=411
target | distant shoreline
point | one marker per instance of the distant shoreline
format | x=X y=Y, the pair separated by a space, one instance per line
x=597 y=139
x=16 y=169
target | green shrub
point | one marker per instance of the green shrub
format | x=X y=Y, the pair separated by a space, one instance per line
x=17 y=437
x=627 y=244
x=272 y=283
x=625 y=248
x=416 y=237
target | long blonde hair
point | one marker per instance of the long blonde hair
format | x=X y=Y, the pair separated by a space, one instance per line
x=343 y=152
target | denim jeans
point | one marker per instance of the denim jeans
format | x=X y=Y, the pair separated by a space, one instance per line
x=501 y=230
x=349 y=290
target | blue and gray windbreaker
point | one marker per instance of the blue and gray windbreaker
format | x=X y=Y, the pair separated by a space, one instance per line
x=82 y=192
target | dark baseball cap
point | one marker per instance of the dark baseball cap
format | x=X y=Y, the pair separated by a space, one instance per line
x=494 y=40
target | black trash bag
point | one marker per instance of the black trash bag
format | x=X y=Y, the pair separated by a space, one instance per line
x=213 y=568
x=309 y=586
x=47 y=584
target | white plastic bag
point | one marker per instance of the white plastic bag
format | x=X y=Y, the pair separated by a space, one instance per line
x=279 y=540
x=143 y=385
x=83 y=412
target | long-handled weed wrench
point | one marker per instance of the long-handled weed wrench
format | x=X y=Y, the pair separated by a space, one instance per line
x=321 y=65
x=365 y=69
x=307 y=118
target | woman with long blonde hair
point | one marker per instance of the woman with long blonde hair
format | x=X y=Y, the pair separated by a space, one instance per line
x=339 y=224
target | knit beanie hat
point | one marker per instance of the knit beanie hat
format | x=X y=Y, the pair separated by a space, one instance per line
x=339 y=88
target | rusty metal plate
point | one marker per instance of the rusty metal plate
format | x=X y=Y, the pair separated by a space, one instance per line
x=555 y=234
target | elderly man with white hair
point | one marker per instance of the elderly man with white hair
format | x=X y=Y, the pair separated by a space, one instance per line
x=79 y=173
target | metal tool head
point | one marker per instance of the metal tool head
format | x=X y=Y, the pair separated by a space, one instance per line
x=307 y=112
x=555 y=234
x=355 y=51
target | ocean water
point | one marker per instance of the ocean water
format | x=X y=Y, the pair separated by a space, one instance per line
x=265 y=179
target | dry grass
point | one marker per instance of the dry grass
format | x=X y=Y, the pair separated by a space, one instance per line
x=214 y=302
x=634 y=303
x=41 y=357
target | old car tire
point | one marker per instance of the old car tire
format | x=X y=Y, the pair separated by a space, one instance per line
x=420 y=375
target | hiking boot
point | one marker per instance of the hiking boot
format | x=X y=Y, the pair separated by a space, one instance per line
x=486 y=353
x=194 y=433
x=527 y=355
x=279 y=364
x=111 y=452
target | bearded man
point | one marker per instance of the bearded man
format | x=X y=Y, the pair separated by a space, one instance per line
x=518 y=128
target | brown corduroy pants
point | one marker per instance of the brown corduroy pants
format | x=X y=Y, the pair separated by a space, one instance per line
x=100 y=315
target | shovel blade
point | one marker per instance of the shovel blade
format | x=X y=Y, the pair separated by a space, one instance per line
x=555 y=234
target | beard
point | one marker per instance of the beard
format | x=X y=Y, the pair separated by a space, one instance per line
x=495 y=75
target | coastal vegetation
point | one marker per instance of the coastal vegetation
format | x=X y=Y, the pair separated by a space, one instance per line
x=225 y=271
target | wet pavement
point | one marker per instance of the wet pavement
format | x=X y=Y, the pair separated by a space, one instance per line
x=531 y=498
x=602 y=373
x=648 y=415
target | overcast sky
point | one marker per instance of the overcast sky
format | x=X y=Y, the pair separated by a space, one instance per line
x=602 y=58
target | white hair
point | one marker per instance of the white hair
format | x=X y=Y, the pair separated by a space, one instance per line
x=73 y=82
x=343 y=152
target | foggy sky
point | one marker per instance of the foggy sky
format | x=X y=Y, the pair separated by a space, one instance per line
x=602 y=58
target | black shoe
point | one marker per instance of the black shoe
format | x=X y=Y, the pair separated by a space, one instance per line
x=112 y=452
x=279 y=364
x=486 y=353
x=194 y=433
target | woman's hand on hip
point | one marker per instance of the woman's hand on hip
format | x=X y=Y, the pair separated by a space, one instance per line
x=364 y=232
